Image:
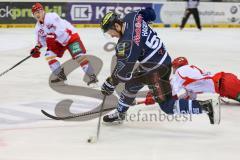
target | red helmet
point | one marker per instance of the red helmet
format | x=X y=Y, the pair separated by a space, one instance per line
x=178 y=62
x=37 y=7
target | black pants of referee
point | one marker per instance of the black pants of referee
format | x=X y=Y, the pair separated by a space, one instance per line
x=195 y=13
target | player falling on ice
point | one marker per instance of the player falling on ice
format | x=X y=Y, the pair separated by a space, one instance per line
x=139 y=43
x=194 y=81
x=58 y=35
x=189 y=80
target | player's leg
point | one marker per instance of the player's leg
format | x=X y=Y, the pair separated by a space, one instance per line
x=159 y=83
x=230 y=86
x=187 y=13
x=197 y=18
x=78 y=51
x=183 y=106
x=126 y=99
x=54 y=50
x=161 y=89
x=55 y=66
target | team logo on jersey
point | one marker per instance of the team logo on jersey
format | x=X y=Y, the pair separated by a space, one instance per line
x=138 y=30
x=121 y=48
x=121 y=54
x=49 y=26
x=41 y=32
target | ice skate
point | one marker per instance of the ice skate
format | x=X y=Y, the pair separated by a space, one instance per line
x=93 y=81
x=212 y=108
x=61 y=77
x=114 y=118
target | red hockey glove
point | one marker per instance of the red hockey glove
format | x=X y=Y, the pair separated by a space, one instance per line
x=149 y=99
x=35 y=52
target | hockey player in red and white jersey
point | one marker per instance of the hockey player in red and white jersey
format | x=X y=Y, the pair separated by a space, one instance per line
x=193 y=81
x=188 y=81
x=58 y=35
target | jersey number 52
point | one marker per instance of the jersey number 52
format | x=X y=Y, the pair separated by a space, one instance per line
x=152 y=40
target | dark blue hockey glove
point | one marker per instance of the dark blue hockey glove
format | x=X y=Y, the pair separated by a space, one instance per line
x=148 y=14
x=108 y=87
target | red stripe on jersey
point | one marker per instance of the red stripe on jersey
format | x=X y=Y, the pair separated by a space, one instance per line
x=191 y=80
x=195 y=67
x=187 y=80
x=215 y=80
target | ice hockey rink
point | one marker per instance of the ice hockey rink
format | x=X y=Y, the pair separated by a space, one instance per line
x=26 y=134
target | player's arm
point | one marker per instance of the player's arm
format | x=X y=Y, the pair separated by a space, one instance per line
x=40 y=42
x=148 y=14
x=62 y=35
x=183 y=93
x=127 y=56
x=177 y=87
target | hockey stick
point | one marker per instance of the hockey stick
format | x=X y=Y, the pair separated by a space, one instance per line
x=100 y=117
x=75 y=115
x=94 y=139
x=81 y=114
x=15 y=65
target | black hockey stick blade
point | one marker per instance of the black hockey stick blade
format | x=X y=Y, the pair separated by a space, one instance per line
x=75 y=115
x=51 y=116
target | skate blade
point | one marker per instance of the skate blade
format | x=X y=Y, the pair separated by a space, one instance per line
x=61 y=83
x=224 y=101
x=217 y=111
x=115 y=123
x=229 y=102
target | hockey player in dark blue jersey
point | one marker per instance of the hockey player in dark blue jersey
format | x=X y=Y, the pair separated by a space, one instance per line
x=138 y=42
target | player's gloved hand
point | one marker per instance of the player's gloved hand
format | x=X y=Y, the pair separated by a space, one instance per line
x=148 y=14
x=51 y=39
x=108 y=87
x=35 y=52
x=149 y=99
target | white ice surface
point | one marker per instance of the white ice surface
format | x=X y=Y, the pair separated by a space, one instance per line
x=26 y=134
